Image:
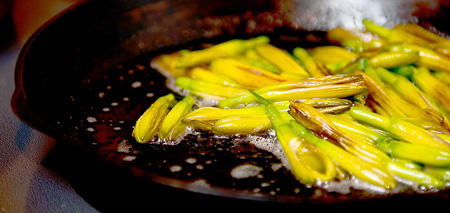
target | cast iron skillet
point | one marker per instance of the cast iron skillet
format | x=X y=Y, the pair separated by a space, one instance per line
x=84 y=78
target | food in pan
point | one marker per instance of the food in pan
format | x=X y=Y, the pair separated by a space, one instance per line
x=373 y=107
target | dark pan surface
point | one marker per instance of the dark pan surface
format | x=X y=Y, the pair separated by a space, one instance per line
x=84 y=78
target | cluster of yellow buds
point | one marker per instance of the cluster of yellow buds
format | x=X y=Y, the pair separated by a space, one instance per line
x=376 y=109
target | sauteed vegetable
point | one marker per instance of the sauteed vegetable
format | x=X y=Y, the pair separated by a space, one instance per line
x=374 y=109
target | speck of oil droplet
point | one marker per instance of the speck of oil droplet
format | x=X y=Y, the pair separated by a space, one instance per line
x=129 y=158
x=136 y=84
x=200 y=182
x=191 y=160
x=245 y=171
x=265 y=184
x=175 y=168
x=275 y=167
x=91 y=119
x=140 y=67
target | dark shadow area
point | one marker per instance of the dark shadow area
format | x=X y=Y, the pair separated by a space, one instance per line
x=110 y=190
x=7 y=34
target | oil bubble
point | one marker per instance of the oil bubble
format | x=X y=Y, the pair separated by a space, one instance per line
x=175 y=168
x=245 y=171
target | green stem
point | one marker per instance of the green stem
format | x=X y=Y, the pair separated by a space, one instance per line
x=401 y=129
x=371 y=118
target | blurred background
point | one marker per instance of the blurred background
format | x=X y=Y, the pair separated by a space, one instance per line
x=20 y=18
x=25 y=184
